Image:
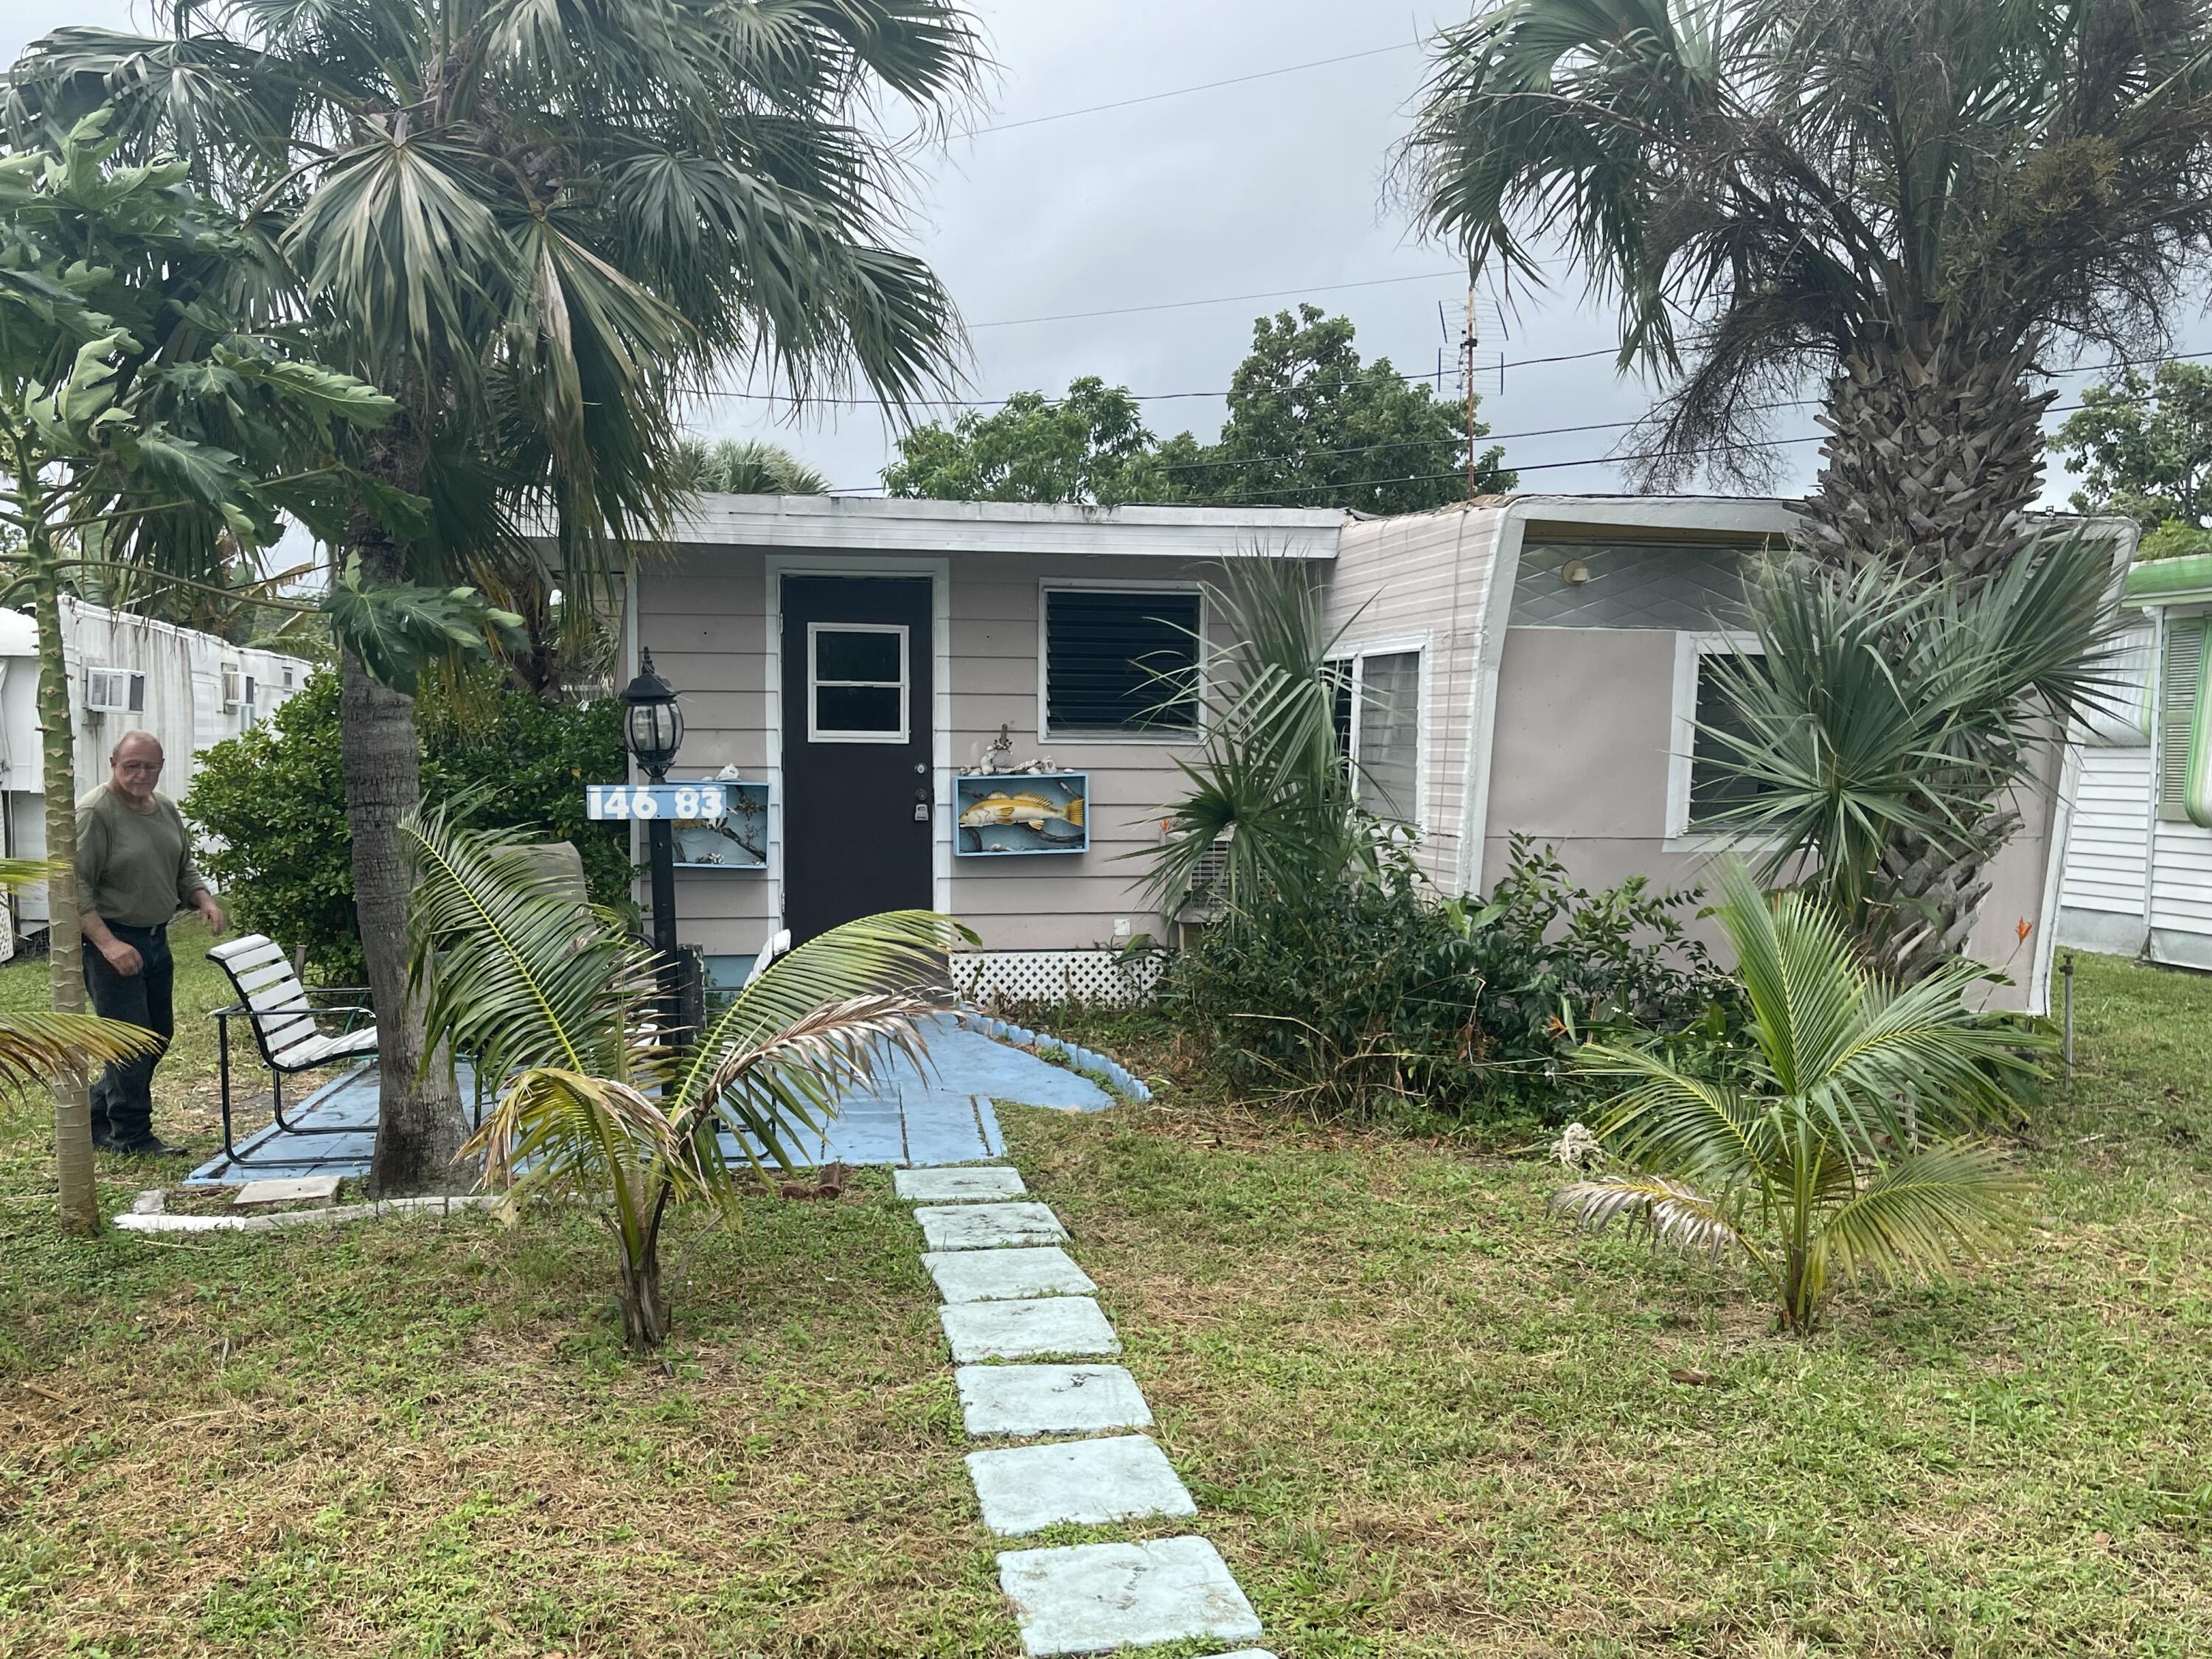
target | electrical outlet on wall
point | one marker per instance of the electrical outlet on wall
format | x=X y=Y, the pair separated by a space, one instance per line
x=1121 y=928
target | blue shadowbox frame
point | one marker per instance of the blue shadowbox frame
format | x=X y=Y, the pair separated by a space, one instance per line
x=748 y=816
x=1016 y=841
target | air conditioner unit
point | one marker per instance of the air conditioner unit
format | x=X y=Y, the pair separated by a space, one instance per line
x=114 y=691
x=232 y=681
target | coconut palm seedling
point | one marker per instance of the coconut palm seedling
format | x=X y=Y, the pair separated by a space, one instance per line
x=555 y=1000
x=1817 y=1161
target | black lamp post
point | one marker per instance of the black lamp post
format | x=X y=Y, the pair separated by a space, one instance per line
x=652 y=728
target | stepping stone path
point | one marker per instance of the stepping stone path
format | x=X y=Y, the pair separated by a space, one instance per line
x=1010 y=1293
x=987 y=1226
x=1008 y=1275
x=1027 y=1330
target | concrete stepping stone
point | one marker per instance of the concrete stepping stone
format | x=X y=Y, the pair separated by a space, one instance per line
x=1027 y=1330
x=1031 y=1400
x=956 y=1185
x=1024 y=1489
x=988 y=1227
x=308 y=1188
x=1094 y=1598
x=1012 y=1276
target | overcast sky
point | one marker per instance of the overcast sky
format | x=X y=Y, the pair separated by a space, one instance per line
x=1275 y=186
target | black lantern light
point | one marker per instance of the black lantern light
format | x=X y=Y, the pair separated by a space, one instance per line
x=653 y=727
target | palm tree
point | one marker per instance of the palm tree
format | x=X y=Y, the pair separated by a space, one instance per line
x=1271 y=796
x=748 y=466
x=1879 y=714
x=1909 y=203
x=539 y=228
x=1812 y=1162
x=557 y=1001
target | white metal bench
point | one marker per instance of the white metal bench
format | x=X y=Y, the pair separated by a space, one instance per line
x=286 y=1019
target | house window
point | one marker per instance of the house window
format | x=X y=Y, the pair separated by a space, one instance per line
x=856 y=682
x=287 y=679
x=114 y=691
x=1703 y=784
x=1121 y=663
x=1377 y=706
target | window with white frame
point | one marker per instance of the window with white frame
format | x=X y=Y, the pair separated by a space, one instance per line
x=1121 y=662
x=857 y=682
x=1378 y=728
x=1704 y=784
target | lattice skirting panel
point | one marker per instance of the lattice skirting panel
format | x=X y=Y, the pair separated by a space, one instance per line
x=990 y=977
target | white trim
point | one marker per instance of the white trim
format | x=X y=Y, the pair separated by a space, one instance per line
x=1398 y=645
x=775 y=567
x=879 y=525
x=1049 y=585
x=1482 y=715
x=815 y=733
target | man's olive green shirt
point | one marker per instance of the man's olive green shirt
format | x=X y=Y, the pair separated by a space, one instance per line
x=133 y=868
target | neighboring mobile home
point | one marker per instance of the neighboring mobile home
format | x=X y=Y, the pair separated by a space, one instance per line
x=126 y=673
x=1530 y=663
x=2138 y=865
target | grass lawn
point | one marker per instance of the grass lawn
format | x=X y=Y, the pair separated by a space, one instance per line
x=1419 y=1417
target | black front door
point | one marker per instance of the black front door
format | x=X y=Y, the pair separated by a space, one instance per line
x=858 y=818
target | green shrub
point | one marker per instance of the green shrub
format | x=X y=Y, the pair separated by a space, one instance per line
x=273 y=799
x=1342 y=998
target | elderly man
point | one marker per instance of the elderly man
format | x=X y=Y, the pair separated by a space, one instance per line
x=134 y=872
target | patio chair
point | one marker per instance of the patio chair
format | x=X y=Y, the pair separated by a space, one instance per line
x=286 y=1019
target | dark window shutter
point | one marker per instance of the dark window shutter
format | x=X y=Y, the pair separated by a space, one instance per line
x=1120 y=661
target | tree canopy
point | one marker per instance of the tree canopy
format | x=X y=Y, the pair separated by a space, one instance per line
x=1308 y=425
x=2143 y=448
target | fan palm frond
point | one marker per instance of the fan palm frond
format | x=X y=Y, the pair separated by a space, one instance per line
x=1814 y=1162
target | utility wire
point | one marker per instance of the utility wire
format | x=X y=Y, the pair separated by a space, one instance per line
x=1185 y=92
x=1229 y=299
x=1261 y=496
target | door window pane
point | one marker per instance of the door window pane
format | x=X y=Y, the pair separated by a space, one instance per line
x=856 y=683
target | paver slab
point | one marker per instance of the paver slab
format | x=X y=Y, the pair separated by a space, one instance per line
x=1028 y=1399
x=1027 y=1330
x=987 y=1226
x=1024 y=1489
x=317 y=1189
x=1094 y=1598
x=956 y=1185
x=1009 y=1275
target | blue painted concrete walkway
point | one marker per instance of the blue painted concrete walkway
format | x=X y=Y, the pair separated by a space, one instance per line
x=940 y=1112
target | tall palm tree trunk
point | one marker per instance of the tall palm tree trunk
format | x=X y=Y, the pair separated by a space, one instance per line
x=1933 y=461
x=419 y=1129
x=78 y=1192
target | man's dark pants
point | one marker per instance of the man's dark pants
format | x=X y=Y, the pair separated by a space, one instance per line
x=123 y=1097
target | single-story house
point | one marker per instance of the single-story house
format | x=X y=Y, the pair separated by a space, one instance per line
x=1527 y=663
x=2137 y=875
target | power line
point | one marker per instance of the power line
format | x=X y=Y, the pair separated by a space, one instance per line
x=1226 y=299
x=1257 y=498
x=1185 y=92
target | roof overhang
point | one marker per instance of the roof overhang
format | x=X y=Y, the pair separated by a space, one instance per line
x=898 y=526
x=2185 y=580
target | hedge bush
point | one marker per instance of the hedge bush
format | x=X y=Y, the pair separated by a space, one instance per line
x=1343 y=998
x=272 y=800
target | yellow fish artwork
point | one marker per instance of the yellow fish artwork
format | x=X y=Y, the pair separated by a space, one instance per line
x=1029 y=809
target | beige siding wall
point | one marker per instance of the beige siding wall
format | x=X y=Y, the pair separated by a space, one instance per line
x=704 y=617
x=1424 y=579
x=1584 y=732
